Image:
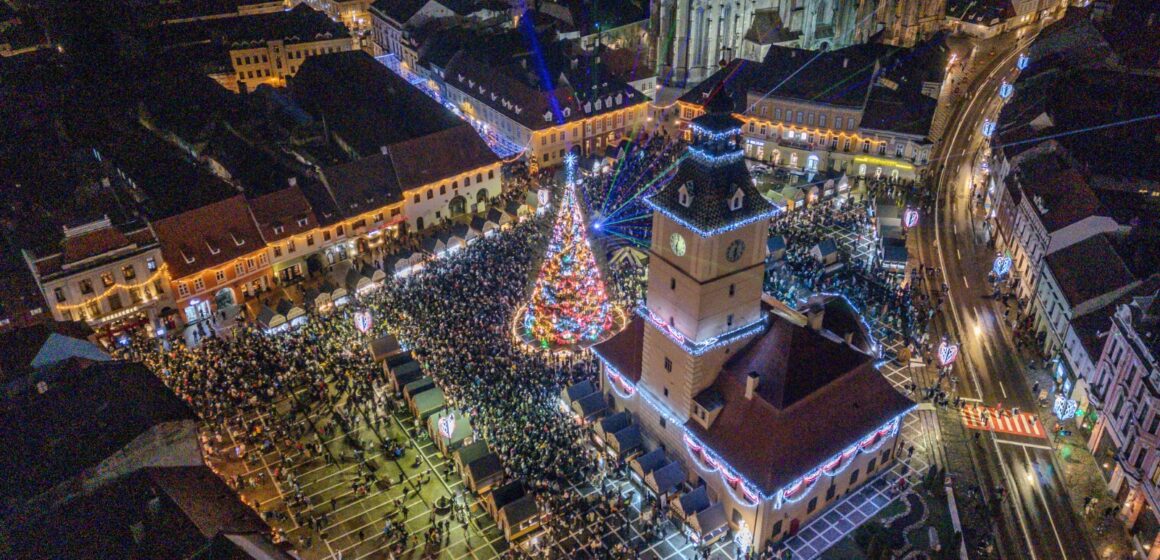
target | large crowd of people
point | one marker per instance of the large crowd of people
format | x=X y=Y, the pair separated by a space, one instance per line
x=456 y=317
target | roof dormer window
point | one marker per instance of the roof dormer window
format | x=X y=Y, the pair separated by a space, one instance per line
x=685 y=194
x=212 y=250
x=278 y=230
x=737 y=200
x=239 y=241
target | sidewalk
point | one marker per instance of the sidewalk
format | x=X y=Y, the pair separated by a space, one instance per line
x=1083 y=478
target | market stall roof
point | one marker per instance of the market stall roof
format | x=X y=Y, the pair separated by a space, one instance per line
x=666 y=478
x=410 y=390
x=385 y=347
x=485 y=467
x=507 y=494
x=614 y=423
x=460 y=432
x=407 y=374
x=268 y=318
x=429 y=401
x=692 y=502
x=649 y=462
x=470 y=453
x=591 y=405
x=400 y=359
x=406 y=368
x=577 y=391
x=519 y=511
x=709 y=519
x=627 y=439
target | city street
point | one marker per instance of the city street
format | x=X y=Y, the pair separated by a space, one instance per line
x=1037 y=520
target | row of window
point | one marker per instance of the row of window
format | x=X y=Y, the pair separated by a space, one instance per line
x=240 y=269
x=808 y=118
x=86 y=285
x=92 y=309
x=832 y=140
x=443 y=188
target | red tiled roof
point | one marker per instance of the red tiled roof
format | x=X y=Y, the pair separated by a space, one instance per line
x=623 y=350
x=92 y=243
x=439 y=155
x=283 y=209
x=208 y=236
x=816 y=398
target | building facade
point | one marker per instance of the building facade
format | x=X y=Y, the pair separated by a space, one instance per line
x=1126 y=439
x=861 y=131
x=113 y=279
x=695 y=37
x=548 y=124
x=216 y=259
x=705 y=366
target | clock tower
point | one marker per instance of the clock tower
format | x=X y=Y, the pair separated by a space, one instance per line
x=706 y=266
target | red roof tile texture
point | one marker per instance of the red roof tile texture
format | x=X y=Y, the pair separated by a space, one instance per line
x=208 y=237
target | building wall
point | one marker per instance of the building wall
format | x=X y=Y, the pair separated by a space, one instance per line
x=243 y=276
x=432 y=203
x=764 y=520
x=275 y=61
x=549 y=145
x=1129 y=420
x=774 y=138
x=110 y=292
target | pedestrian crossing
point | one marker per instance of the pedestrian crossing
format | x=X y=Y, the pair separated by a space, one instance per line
x=987 y=419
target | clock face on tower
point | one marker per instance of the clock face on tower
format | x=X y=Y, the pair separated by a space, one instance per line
x=734 y=251
x=677 y=243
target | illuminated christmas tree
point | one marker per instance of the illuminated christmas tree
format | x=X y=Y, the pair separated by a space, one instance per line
x=569 y=304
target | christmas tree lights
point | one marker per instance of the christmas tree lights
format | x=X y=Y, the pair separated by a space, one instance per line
x=569 y=304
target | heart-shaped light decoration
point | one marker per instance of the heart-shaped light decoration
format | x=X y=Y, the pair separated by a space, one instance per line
x=947 y=353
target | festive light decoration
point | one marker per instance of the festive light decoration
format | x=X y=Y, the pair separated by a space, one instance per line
x=1064 y=408
x=623 y=388
x=948 y=352
x=712 y=135
x=709 y=462
x=447 y=426
x=988 y=127
x=910 y=218
x=116 y=286
x=569 y=304
x=363 y=321
x=715 y=159
x=1002 y=265
x=773 y=211
x=1022 y=62
x=699 y=348
x=1006 y=89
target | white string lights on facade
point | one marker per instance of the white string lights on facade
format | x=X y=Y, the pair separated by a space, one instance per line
x=700 y=348
x=711 y=462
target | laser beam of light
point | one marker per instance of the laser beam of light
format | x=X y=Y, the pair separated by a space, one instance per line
x=647 y=172
x=633 y=146
x=634 y=240
x=800 y=68
x=1056 y=135
x=663 y=174
x=606 y=223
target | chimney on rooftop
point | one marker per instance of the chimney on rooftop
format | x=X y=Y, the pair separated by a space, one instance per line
x=751 y=384
x=293 y=181
x=383 y=150
x=845 y=62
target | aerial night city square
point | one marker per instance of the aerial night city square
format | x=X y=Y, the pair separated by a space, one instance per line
x=579 y=279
